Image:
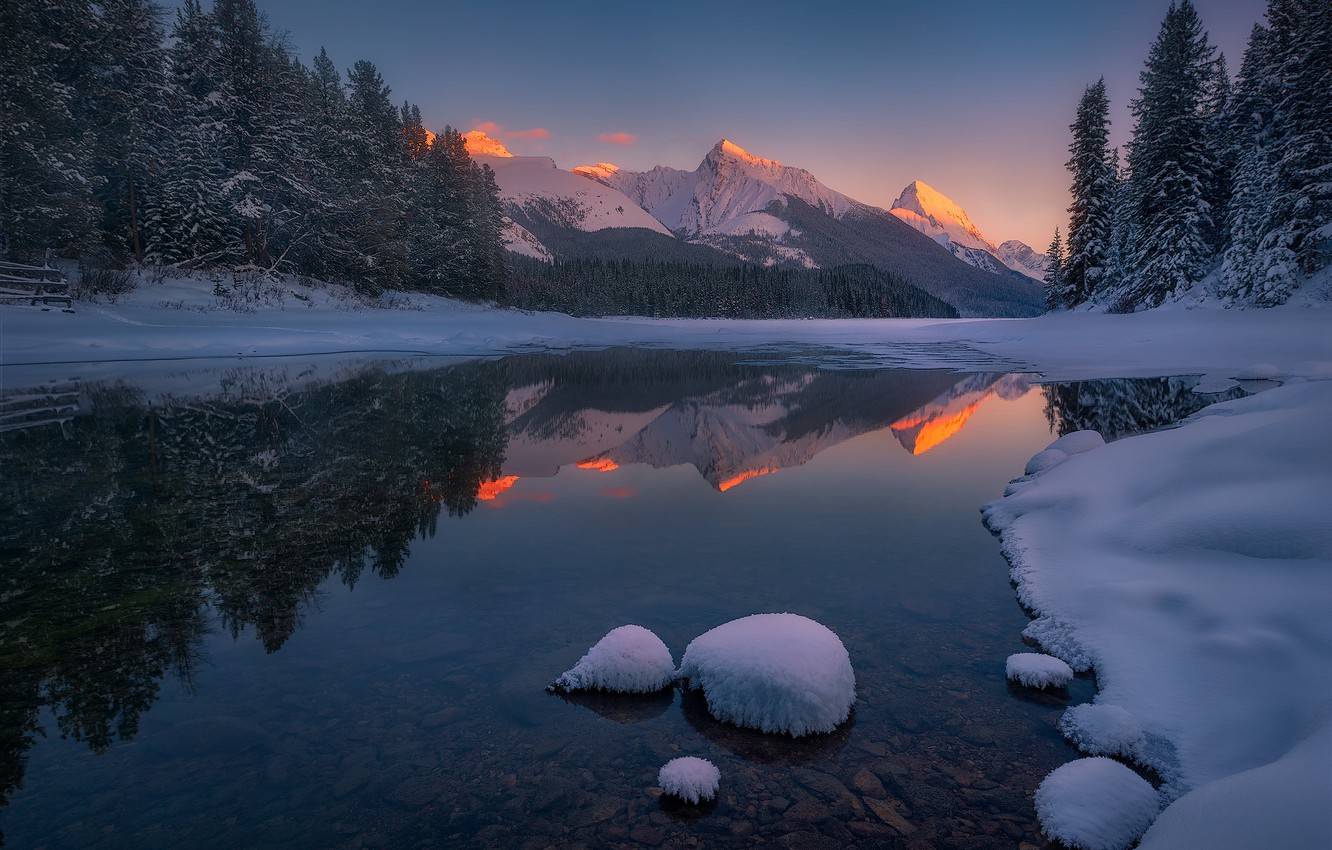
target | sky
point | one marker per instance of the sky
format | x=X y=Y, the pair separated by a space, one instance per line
x=973 y=97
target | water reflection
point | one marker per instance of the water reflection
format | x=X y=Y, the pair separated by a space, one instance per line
x=142 y=518
x=1118 y=407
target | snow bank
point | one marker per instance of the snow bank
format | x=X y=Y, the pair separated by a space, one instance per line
x=1102 y=730
x=689 y=778
x=1034 y=670
x=629 y=659
x=774 y=672
x=1077 y=442
x=1192 y=567
x=1095 y=804
x=1042 y=461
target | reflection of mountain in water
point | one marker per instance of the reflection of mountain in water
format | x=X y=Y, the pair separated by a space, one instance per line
x=1118 y=407
x=730 y=421
x=928 y=426
x=136 y=517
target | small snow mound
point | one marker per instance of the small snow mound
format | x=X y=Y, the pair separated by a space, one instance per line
x=689 y=778
x=629 y=659
x=1042 y=461
x=1257 y=372
x=774 y=672
x=1096 y=804
x=1034 y=670
x=1102 y=730
x=1077 y=442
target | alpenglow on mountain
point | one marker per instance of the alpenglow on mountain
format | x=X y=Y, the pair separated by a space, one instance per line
x=938 y=217
x=734 y=208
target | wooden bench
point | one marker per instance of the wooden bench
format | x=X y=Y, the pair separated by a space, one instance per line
x=34 y=284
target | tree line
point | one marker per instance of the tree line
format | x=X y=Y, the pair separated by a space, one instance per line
x=1220 y=176
x=211 y=145
x=596 y=287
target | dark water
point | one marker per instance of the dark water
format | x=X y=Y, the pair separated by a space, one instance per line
x=316 y=605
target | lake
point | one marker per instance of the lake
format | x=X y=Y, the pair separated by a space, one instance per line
x=316 y=603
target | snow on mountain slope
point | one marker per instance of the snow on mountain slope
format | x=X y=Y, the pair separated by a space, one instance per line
x=937 y=216
x=532 y=186
x=1021 y=257
x=729 y=185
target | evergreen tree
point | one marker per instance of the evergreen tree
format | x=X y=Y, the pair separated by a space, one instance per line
x=1298 y=238
x=1251 y=131
x=46 y=177
x=1222 y=153
x=1169 y=161
x=1056 y=285
x=130 y=117
x=1093 y=186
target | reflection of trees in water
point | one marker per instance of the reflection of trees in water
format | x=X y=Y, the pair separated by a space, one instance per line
x=128 y=522
x=1118 y=407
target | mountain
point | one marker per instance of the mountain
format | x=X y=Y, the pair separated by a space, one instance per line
x=762 y=211
x=934 y=214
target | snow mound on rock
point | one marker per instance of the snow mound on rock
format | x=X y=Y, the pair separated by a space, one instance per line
x=689 y=778
x=774 y=672
x=1102 y=730
x=1096 y=804
x=1077 y=442
x=629 y=659
x=1034 y=670
x=1042 y=461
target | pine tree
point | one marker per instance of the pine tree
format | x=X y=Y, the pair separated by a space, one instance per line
x=1222 y=152
x=1169 y=161
x=1093 y=184
x=1299 y=238
x=130 y=117
x=1249 y=207
x=46 y=177
x=1056 y=285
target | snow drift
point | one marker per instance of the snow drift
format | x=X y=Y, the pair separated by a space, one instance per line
x=692 y=779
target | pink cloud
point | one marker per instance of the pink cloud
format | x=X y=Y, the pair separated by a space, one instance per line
x=617 y=138
x=490 y=128
x=534 y=133
x=496 y=130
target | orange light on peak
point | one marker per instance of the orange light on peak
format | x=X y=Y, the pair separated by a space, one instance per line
x=488 y=490
x=743 y=477
x=600 y=464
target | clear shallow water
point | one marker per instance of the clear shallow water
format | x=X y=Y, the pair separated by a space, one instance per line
x=266 y=607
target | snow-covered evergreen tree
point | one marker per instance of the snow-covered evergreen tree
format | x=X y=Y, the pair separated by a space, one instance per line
x=131 y=117
x=1056 y=285
x=46 y=176
x=1298 y=237
x=1093 y=186
x=1170 y=162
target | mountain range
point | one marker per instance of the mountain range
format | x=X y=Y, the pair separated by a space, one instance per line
x=736 y=207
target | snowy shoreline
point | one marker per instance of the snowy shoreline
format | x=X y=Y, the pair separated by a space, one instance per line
x=1191 y=568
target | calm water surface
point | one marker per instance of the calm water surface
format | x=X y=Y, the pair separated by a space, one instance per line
x=316 y=605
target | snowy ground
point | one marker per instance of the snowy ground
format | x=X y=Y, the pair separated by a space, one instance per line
x=1192 y=567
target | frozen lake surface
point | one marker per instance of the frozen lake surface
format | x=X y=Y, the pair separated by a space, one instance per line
x=316 y=603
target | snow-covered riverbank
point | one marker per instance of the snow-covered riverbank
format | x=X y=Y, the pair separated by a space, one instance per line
x=1192 y=569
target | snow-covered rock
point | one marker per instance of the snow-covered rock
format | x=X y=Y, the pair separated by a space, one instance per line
x=775 y=672
x=692 y=779
x=1102 y=729
x=1096 y=804
x=1042 y=461
x=1077 y=442
x=1034 y=670
x=629 y=659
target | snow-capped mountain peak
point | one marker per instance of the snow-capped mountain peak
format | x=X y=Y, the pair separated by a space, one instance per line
x=941 y=212
x=600 y=172
x=479 y=143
